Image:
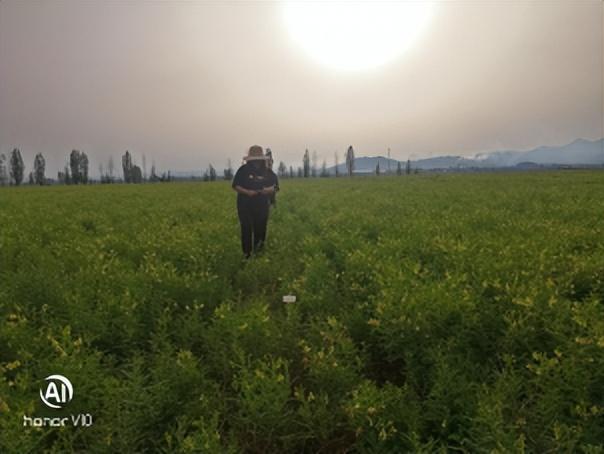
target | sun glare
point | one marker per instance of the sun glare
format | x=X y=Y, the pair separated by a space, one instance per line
x=356 y=35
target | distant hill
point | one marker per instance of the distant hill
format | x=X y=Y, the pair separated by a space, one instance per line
x=579 y=152
x=367 y=164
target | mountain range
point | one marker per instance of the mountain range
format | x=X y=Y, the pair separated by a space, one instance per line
x=580 y=152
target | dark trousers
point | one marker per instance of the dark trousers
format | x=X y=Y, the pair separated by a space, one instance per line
x=253 y=217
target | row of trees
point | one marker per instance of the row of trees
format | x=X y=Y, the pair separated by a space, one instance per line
x=309 y=166
x=131 y=172
x=12 y=169
x=309 y=169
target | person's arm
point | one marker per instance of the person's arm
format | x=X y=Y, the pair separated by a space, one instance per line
x=237 y=182
x=242 y=190
x=269 y=190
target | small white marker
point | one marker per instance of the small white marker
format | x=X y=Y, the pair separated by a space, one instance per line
x=287 y=299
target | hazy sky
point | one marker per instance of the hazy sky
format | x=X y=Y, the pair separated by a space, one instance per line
x=193 y=83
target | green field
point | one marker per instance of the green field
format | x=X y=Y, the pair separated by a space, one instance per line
x=434 y=312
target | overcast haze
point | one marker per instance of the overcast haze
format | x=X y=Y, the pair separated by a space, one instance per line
x=195 y=83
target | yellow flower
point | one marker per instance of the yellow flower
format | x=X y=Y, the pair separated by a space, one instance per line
x=383 y=434
x=13 y=365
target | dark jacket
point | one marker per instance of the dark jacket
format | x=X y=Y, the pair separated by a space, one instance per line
x=250 y=177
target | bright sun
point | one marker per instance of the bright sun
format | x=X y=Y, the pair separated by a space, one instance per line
x=356 y=35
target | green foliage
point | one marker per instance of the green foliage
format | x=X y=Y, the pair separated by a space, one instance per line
x=434 y=313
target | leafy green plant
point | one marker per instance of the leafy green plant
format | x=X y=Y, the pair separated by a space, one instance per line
x=434 y=313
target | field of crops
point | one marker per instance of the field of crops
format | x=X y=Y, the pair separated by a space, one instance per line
x=434 y=312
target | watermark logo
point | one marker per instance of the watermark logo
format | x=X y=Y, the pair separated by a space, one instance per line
x=80 y=420
x=58 y=392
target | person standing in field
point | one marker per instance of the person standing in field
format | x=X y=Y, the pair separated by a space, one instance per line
x=273 y=197
x=254 y=183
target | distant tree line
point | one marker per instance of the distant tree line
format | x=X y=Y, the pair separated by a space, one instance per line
x=309 y=166
x=76 y=171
